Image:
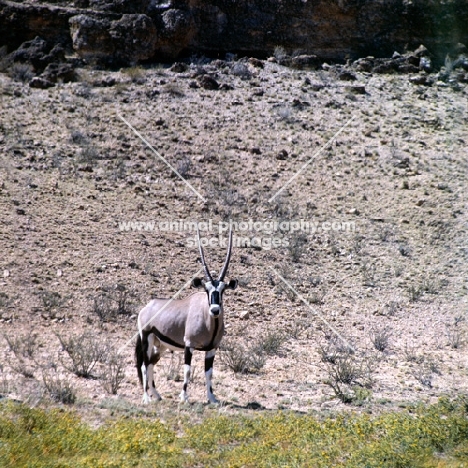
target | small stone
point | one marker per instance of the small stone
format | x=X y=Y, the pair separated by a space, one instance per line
x=305 y=61
x=59 y=72
x=85 y=168
x=425 y=64
x=40 y=83
x=108 y=81
x=179 y=67
x=6 y=273
x=283 y=154
x=226 y=87
x=413 y=60
x=356 y=89
x=408 y=68
x=363 y=65
x=421 y=51
x=316 y=86
x=402 y=163
x=207 y=82
x=256 y=62
x=354 y=211
x=347 y=76
x=59 y=273
x=244 y=315
x=418 y=80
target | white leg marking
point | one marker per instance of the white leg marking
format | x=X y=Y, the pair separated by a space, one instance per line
x=183 y=393
x=151 y=389
x=209 y=375
x=146 y=398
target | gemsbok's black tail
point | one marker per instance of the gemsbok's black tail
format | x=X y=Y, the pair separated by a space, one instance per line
x=139 y=357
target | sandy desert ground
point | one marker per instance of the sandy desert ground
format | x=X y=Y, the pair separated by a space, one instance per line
x=381 y=177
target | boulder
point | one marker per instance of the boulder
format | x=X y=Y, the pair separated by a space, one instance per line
x=125 y=41
x=208 y=82
x=91 y=38
x=177 y=28
x=41 y=83
x=134 y=37
x=59 y=72
x=38 y=53
x=305 y=61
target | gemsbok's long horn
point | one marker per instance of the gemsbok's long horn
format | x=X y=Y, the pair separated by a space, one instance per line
x=202 y=256
x=228 y=258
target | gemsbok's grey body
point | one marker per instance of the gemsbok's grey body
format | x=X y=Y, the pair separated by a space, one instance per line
x=193 y=323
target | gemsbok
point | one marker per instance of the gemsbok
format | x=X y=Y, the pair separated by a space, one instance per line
x=193 y=323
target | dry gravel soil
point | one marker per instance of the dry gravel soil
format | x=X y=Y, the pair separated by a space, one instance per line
x=72 y=171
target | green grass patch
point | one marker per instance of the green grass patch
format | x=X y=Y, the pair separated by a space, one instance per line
x=423 y=436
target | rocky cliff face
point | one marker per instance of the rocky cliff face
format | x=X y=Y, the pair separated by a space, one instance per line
x=124 y=31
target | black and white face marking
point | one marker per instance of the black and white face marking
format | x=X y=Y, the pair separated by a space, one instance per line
x=214 y=290
x=215 y=293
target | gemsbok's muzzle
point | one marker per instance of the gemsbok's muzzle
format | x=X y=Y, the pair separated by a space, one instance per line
x=215 y=307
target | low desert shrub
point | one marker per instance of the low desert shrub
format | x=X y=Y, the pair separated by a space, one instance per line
x=112 y=374
x=23 y=349
x=112 y=302
x=84 y=352
x=57 y=387
x=380 y=337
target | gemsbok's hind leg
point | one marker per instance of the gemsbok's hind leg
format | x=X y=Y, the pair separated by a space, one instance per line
x=153 y=356
x=209 y=360
x=187 y=369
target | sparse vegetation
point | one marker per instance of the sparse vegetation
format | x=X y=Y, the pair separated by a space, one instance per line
x=349 y=375
x=297 y=247
x=456 y=332
x=425 y=369
x=172 y=370
x=52 y=302
x=136 y=74
x=113 y=371
x=415 y=293
x=417 y=437
x=57 y=387
x=242 y=359
x=270 y=343
x=23 y=349
x=380 y=337
x=21 y=72
x=174 y=89
x=84 y=351
x=112 y=302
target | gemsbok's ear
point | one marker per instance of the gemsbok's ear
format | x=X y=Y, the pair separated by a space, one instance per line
x=232 y=284
x=197 y=283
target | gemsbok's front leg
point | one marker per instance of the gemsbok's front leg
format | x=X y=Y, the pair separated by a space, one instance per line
x=209 y=359
x=187 y=368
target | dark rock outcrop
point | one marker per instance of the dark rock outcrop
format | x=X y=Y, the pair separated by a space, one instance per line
x=133 y=30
